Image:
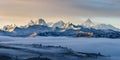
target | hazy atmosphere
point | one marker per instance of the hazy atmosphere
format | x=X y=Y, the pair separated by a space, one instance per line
x=59 y=29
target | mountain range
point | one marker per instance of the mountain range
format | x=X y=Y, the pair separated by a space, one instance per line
x=89 y=24
x=60 y=28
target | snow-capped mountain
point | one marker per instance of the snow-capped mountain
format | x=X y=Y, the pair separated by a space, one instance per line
x=59 y=24
x=9 y=28
x=89 y=24
x=42 y=22
x=31 y=30
x=60 y=28
x=38 y=22
x=105 y=27
x=50 y=24
x=71 y=26
x=31 y=23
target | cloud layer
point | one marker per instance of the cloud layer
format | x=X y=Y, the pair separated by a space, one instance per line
x=85 y=8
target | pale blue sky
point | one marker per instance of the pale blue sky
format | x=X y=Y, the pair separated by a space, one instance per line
x=112 y=21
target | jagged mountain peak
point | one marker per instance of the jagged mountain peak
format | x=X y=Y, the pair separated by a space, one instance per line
x=38 y=22
x=88 y=23
x=59 y=24
x=42 y=22
x=31 y=22
x=9 y=28
x=61 y=21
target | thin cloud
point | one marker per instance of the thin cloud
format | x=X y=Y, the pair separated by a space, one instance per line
x=23 y=8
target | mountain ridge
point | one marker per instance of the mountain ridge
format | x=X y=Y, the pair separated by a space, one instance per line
x=60 y=28
x=61 y=24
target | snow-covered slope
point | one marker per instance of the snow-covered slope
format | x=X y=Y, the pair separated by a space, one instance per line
x=41 y=28
x=30 y=30
x=89 y=24
x=38 y=22
x=71 y=26
x=50 y=24
x=105 y=27
x=9 y=27
x=59 y=24
x=42 y=22
x=68 y=25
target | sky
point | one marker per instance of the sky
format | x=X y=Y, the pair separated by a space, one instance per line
x=20 y=12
